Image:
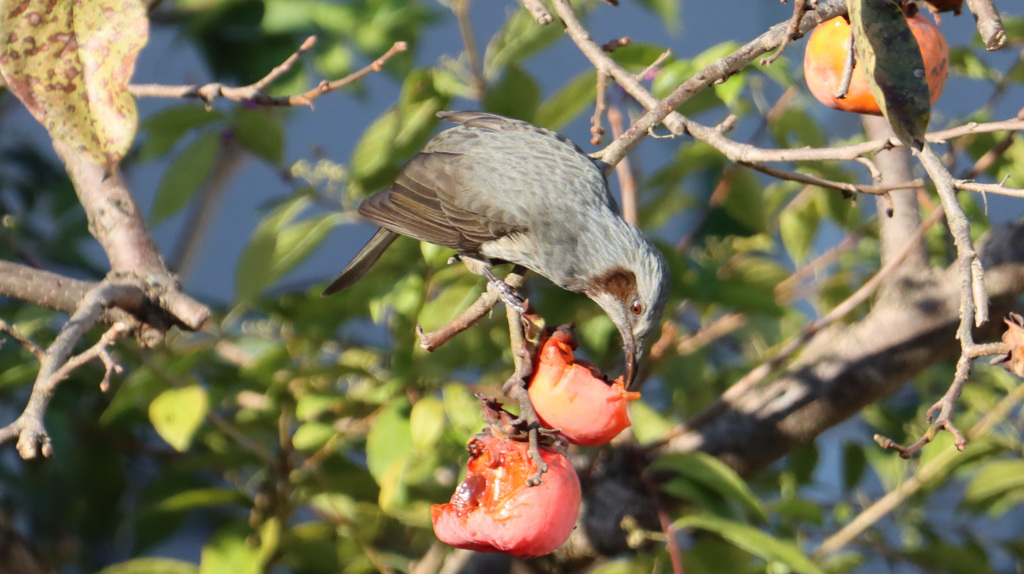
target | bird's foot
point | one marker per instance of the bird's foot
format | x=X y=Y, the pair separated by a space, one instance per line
x=508 y=294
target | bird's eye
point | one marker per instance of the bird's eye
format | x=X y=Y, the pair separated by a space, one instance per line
x=636 y=308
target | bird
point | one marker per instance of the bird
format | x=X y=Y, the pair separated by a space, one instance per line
x=500 y=190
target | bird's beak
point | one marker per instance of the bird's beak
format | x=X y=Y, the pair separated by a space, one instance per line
x=634 y=350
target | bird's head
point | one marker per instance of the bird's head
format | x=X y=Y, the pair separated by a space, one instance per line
x=633 y=294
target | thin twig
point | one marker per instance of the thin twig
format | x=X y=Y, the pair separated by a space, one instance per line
x=478 y=310
x=840 y=185
x=539 y=12
x=990 y=25
x=792 y=31
x=461 y=10
x=24 y=341
x=671 y=544
x=596 y=131
x=929 y=471
x=29 y=428
x=624 y=171
x=254 y=92
x=849 y=63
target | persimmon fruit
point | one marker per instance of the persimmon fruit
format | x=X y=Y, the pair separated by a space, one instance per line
x=827 y=51
x=496 y=510
x=572 y=396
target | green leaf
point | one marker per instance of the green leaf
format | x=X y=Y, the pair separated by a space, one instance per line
x=312 y=405
x=261 y=132
x=752 y=540
x=151 y=566
x=390 y=439
x=516 y=95
x=745 y=201
x=648 y=424
x=164 y=128
x=278 y=244
x=463 y=409
x=184 y=176
x=312 y=435
x=995 y=479
x=200 y=498
x=228 y=550
x=568 y=102
x=70 y=63
x=891 y=59
x=854 y=464
x=177 y=414
x=798 y=225
x=713 y=474
x=520 y=37
x=426 y=422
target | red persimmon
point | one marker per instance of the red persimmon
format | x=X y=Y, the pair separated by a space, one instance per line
x=572 y=396
x=495 y=510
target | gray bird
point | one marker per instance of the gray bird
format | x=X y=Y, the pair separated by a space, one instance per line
x=498 y=190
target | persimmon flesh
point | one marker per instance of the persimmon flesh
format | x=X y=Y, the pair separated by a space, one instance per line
x=827 y=51
x=495 y=510
x=572 y=396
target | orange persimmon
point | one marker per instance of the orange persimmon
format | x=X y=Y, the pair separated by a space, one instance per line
x=827 y=51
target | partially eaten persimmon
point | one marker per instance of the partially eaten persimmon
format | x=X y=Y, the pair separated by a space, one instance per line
x=495 y=510
x=572 y=396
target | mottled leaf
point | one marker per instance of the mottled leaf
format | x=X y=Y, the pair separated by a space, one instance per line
x=892 y=62
x=69 y=62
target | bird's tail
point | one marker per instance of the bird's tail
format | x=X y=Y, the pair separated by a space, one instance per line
x=362 y=262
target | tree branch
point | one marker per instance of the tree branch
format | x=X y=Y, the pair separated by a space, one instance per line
x=57 y=364
x=254 y=92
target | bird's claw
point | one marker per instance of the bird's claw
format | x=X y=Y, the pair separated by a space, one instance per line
x=508 y=294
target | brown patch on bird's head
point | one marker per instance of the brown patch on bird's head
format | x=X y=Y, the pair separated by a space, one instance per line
x=618 y=282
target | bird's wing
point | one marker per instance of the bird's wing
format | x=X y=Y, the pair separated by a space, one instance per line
x=419 y=205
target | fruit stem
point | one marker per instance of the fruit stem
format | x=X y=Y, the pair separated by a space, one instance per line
x=848 y=66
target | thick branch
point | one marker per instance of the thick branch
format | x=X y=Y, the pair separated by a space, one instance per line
x=847 y=367
x=120 y=227
x=895 y=229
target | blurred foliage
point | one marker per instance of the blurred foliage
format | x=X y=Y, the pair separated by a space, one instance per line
x=303 y=434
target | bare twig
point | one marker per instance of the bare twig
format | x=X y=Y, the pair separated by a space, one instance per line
x=840 y=185
x=478 y=310
x=539 y=12
x=624 y=171
x=56 y=365
x=990 y=25
x=193 y=238
x=22 y=339
x=929 y=471
x=849 y=63
x=254 y=92
x=671 y=544
x=461 y=10
x=596 y=131
x=792 y=31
